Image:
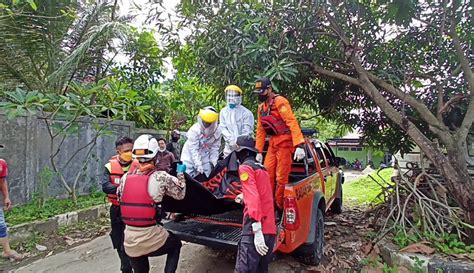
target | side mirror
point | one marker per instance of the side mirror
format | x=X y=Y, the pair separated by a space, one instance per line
x=340 y=161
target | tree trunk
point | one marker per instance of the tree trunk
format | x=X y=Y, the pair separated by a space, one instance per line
x=452 y=166
x=74 y=197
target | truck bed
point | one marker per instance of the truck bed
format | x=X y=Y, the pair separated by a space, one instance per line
x=219 y=230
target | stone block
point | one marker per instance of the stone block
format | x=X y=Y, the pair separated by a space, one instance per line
x=48 y=227
x=89 y=214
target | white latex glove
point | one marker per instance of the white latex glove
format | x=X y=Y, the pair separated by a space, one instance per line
x=299 y=154
x=258 y=239
x=239 y=198
x=259 y=157
x=200 y=169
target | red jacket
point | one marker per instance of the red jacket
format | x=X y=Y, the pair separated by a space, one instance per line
x=258 y=197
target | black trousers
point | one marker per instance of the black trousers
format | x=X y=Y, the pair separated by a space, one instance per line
x=117 y=236
x=248 y=260
x=172 y=248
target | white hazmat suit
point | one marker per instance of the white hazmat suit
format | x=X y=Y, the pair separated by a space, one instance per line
x=235 y=119
x=201 y=149
x=235 y=122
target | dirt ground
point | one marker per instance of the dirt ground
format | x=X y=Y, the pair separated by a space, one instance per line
x=87 y=245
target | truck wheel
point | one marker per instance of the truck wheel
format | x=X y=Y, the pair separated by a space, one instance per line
x=336 y=206
x=313 y=253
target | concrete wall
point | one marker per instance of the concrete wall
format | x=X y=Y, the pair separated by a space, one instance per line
x=27 y=150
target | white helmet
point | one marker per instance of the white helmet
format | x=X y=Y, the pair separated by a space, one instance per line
x=145 y=148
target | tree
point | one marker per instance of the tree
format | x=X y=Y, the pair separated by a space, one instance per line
x=144 y=67
x=48 y=45
x=400 y=70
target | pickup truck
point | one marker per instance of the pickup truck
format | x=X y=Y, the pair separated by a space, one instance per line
x=314 y=188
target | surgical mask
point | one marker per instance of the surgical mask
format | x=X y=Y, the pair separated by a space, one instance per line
x=161 y=150
x=233 y=99
x=262 y=98
x=126 y=157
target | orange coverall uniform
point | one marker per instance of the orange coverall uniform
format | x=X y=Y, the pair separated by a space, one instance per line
x=281 y=146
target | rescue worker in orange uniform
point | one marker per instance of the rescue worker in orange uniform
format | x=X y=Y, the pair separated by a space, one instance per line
x=117 y=166
x=259 y=229
x=277 y=121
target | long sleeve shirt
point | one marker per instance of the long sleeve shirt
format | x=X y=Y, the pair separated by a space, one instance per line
x=143 y=240
x=280 y=109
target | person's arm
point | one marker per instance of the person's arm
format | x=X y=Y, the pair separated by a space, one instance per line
x=119 y=189
x=162 y=184
x=193 y=145
x=250 y=192
x=248 y=123
x=6 y=194
x=286 y=113
x=107 y=186
x=228 y=136
x=215 y=146
x=4 y=185
x=261 y=134
x=172 y=158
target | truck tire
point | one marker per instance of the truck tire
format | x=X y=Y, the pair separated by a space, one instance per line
x=313 y=253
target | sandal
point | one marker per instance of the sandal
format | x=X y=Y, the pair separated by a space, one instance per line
x=13 y=256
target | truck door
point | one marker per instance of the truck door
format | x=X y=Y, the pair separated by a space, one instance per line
x=328 y=168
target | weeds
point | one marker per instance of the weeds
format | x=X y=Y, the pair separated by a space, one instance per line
x=32 y=212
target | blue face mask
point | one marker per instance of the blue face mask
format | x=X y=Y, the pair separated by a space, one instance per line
x=232 y=105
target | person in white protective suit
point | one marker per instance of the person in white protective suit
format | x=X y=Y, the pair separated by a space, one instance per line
x=235 y=119
x=201 y=149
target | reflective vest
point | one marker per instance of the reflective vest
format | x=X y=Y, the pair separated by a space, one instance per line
x=273 y=125
x=137 y=208
x=116 y=172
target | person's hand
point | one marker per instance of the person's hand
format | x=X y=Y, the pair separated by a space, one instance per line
x=239 y=198
x=7 y=204
x=200 y=169
x=258 y=239
x=259 y=157
x=233 y=146
x=299 y=154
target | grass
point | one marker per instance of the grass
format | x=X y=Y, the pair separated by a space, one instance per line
x=32 y=211
x=365 y=191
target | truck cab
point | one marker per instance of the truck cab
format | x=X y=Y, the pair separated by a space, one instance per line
x=315 y=187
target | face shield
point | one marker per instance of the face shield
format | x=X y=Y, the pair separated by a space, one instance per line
x=233 y=98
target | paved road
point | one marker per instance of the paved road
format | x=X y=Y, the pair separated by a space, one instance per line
x=97 y=256
x=351 y=175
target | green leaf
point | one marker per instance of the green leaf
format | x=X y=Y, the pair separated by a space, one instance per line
x=32 y=4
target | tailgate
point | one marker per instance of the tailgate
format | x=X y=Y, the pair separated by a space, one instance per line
x=218 y=230
x=203 y=233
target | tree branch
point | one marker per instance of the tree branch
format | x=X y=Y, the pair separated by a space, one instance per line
x=469 y=75
x=421 y=108
x=318 y=69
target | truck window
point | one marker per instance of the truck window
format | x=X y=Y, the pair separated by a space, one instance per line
x=328 y=155
x=311 y=162
x=320 y=153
